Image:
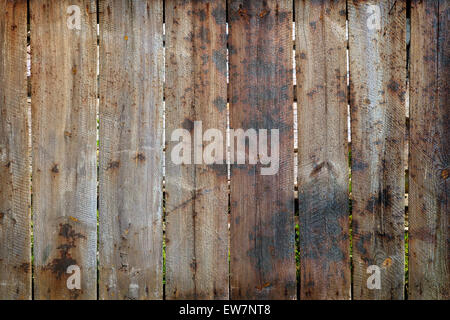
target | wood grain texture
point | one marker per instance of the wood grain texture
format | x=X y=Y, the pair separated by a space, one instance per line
x=377 y=102
x=322 y=149
x=196 y=194
x=63 y=78
x=131 y=151
x=429 y=185
x=15 y=253
x=262 y=206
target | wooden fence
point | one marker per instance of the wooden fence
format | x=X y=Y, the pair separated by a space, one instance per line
x=87 y=180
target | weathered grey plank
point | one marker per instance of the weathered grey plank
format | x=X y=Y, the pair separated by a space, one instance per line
x=15 y=253
x=262 y=206
x=63 y=80
x=196 y=194
x=429 y=252
x=131 y=82
x=322 y=149
x=377 y=102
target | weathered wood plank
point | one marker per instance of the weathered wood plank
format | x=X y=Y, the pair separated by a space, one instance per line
x=15 y=253
x=377 y=51
x=63 y=80
x=262 y=206
x=196 y=194
x=131 y=151
x=322 y=149
x=429 y=252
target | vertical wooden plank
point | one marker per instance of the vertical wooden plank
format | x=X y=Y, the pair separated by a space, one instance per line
x=63 y=78
x=196 y=193
x=131 y=82
x=429 y=252
x=15 y=258
x=262 y=206
x=377 y=102
x=322 y=149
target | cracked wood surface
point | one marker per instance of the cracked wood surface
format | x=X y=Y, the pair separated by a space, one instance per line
x=131 y=150
x=377 y=107
x=322 y=149
x=262 y=206
x=429 y=252
x=15 y=251
x=196 y=194
x=63 y=79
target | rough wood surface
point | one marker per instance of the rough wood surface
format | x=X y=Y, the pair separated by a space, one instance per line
x=262 y=206
x=15 y=253
x=196 y=194
x=321 y=69
x=131 y=151
x=63 y=80
x=377 y=102
x=429 y=252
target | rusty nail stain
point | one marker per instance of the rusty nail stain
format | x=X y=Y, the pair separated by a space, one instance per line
x=265 y=285
x=387 y=262
x=140 y=156
x=25 y=267
x=55 y=169
x=263 y=13
x=444 y=174
x=243 y=13
x=113 y=164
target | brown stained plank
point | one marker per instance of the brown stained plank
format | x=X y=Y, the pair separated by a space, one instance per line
x=322 y=149
x=131 y=151
x=429 y=252
x=262 y=206
x=196 y=194
x=377 y=101
x=63 y=80
x=15 y=253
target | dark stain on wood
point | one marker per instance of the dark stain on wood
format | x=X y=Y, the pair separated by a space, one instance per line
x=140 y=156
x=55 y=168
x=70 y=237
x=113 y=165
